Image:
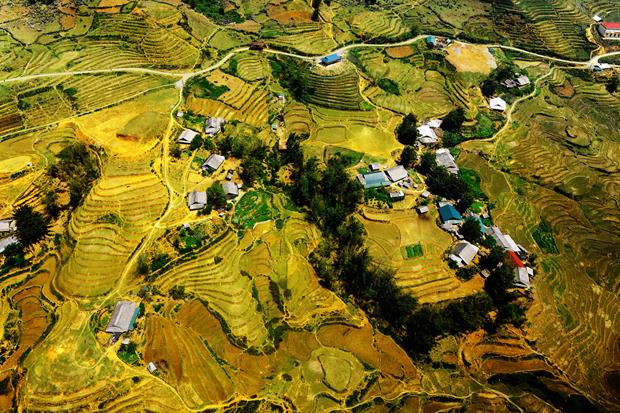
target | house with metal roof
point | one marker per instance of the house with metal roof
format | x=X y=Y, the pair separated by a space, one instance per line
x=444 y=158
x=497 y=104
x=187 y=136
x=397 y=195
x=331 y=59
x=609 y=30
x=5 y=242
x=197 y=200
x=213 y=126
x=230 y=189
x=213 y=162
x=522 y=279
x=449 y=214
x=427 y=135
x=397 y=173
x=123 y=317
x=373 y=180
x=465 y=251
x=8 y=225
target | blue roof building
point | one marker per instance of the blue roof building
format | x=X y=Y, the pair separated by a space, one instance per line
x=331 y=59
x=448 y=213
x=374 y=180
x=431 y=40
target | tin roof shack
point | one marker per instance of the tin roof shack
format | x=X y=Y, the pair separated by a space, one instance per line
x=373 y=180
x=213 y=162
x=331 y=59
x=187 y=136
x=464 y=253
x=197 y=200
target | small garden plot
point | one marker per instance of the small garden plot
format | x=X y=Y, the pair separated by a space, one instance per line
x=543 y=235
x=414 y=250
x=473 y=180
x=252 y=208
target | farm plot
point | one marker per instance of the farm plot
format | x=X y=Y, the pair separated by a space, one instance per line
x=253 y=208
x=338 y=90
x=426 y=276
x=315 y=42
x=216 y=277
x=251 y=67
x=573 y=319
x=378 y=24
x=137 y=197
x=242 y=101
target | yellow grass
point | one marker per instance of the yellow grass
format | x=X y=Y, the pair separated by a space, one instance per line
x=14 y=164
x=471 y=58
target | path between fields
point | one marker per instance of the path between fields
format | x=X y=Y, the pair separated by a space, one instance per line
x=187 y=75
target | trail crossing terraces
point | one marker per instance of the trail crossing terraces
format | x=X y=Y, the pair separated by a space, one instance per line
x=187 y=75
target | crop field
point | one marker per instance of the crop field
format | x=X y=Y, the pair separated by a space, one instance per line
x=424 y=272
x=233 y=308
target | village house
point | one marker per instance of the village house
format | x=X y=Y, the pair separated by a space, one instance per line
x=374 y=167
x=8 y=225
x=397 y=173
x=230 y=189
x=213 y=126
x=197 y=200
x=187 y=136
x=425 y=194
x=504 y=240
x=497 y=104
x=423 y=209
x=373 y=180
x=449 y=214
x=609 y=30
x=331 y=59
x=519 y=81
x=464 y=253
x=213 y=162
x=123 y=317
x=521 y=274
x=444 y=158
x=5 y=242
x=151 y=367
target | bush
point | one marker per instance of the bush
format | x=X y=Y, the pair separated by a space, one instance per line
x=32 y=226
x=453 y=120
x=389 y=86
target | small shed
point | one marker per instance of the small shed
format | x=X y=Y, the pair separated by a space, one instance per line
x=397 y=195
x=374 y=167
x=151 y=367
x=213 y=162
x=522 y=279
x=422 y=209
x=425 y=194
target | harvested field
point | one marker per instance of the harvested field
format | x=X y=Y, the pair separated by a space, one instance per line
x=470 y=58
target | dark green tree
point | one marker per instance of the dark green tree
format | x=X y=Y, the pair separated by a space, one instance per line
x=32 y=226
x=407 y=131
x=453 y=120
x=612 y=86
x=196 y=143
x=408 y=156
x=251 y=170
x=470 y=230
x=216 y=196
x=427 y=163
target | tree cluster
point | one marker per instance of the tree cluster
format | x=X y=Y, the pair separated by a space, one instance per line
x=441 y=182
x=407 y=131
x=77 y=169
x=294 y=76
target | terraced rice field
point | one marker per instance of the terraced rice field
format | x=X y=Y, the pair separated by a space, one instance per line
x=427 y=277
x=336 y=90
x=101 y=250
x=371 y=25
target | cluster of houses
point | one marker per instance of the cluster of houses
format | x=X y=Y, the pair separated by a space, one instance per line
x=377 y=178
x=197 y=200
x=438 y=42
x=213 y=126
x=464 y=252
x=518 y=82
x=7 y=231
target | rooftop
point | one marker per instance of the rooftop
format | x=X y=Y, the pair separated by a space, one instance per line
x=465 y=251
x=332 y=58
x=123 y=317
x=187 y=136
x=230 y=188
x=374 y=180
x=397 y=173
x=197 y=200
x=214 y=161
x=449 y=213
x=611 y=25
x=7 y=225
x=497 y=104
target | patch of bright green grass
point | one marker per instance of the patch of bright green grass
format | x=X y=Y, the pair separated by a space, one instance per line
x=543 y=235
x=414 y=250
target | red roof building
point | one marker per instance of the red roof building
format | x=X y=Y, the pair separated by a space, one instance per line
x=609 y=30
x=514 y=259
